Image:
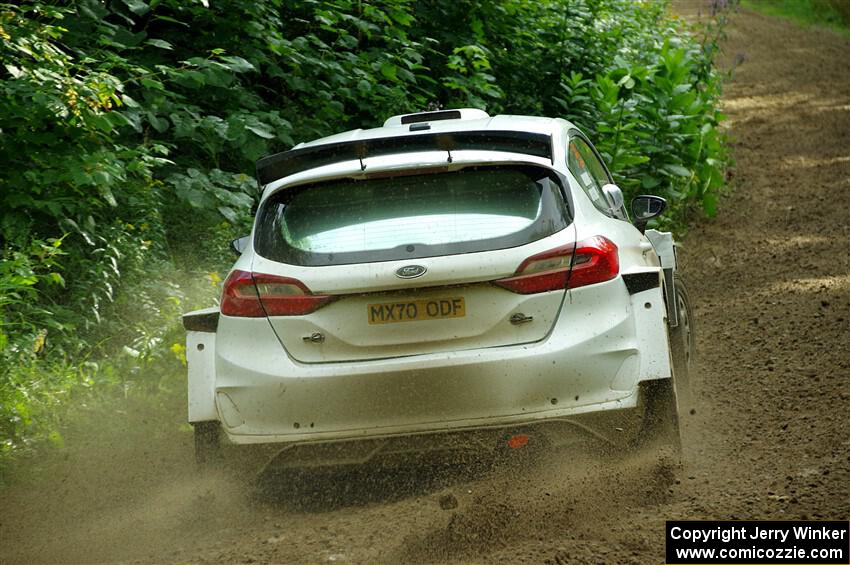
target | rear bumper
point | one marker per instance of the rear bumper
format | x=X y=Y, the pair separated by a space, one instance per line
x=614 y=429
x=590 y=363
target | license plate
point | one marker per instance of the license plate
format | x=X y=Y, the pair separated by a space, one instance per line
x=416 y=310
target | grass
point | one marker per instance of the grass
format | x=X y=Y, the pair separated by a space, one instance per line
x=137 y=353
x=831 y=14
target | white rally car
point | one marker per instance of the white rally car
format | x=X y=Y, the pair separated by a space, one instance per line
x=449 y=280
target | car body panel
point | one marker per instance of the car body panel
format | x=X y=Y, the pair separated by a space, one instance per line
x=533 y=124
x=559 y=375
x=421 y=160
x=346 y=333
x=587 y=351
x=343 y=325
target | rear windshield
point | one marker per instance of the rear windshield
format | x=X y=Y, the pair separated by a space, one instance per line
x=407 y=217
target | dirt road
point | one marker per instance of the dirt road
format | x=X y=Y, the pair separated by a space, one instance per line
x=770 y=437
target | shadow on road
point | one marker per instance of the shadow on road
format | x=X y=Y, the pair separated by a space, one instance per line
x=324 y=489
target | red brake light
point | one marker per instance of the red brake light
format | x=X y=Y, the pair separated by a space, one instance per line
x=596 y=260
x=593 y=260
x=255 y=295
x=542 y=272
x=239 y=297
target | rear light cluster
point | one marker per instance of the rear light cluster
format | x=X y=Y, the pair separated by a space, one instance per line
x=255 y=295
x=593 y=260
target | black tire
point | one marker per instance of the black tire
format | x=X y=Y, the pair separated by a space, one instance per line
x=683 y=346
x=207 y=443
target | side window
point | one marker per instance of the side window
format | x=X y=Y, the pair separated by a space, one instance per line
x=589 y=171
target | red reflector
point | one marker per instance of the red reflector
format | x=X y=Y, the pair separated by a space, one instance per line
x=517 y=441
x=255 y=295
x=589 y=261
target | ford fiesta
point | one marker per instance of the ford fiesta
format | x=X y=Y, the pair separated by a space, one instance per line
x=449 y=280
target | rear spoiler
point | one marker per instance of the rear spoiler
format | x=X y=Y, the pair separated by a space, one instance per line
x=274 y=167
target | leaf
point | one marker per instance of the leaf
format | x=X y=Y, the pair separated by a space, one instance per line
x=631 y=160
x=138 y=7
x=406 y=75
x=191 y=78
x=129 y=102
x=151 y=83
x=161 y=43
x=105 y=191
x=265 y=134
x=157 y=123
x=677 y=170
x=237 y=64
x=100 y=122
x=228 y=213
x=14 y=71
x=171 y=20
x=56 y=278
x=389 y=71
x=649 y=181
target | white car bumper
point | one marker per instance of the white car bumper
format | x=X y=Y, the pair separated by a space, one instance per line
x=604 y=343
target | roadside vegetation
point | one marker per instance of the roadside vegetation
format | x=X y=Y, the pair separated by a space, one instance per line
x=832 y=14
x=129 y=130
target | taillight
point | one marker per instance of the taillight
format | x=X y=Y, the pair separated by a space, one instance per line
x=545 y=271
x=254 y=295
x=239 y=297
x=593 y=260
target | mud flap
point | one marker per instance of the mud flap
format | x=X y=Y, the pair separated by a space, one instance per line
x=200 y=358
x=665 y=247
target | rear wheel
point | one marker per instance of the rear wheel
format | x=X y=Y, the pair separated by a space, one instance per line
x=207 y=443
x=683 y=345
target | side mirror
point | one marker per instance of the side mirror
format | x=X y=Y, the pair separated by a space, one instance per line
x=615 y=198
x=645 y=208
x=239 y=245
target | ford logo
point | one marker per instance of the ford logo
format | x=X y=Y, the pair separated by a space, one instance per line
x=410 y=271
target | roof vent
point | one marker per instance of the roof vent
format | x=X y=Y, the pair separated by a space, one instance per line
x=420 y=117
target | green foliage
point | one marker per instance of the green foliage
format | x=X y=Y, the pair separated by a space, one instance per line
x=23 y=320
x=833 y=14
x=129 y=132
x=645 y=92
x=657 y=126
x=139 y=349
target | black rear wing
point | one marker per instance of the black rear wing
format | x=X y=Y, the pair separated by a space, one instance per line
x=274 y=167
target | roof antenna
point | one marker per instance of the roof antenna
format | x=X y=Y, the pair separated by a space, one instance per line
x=446 y=142
x=361 y=153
